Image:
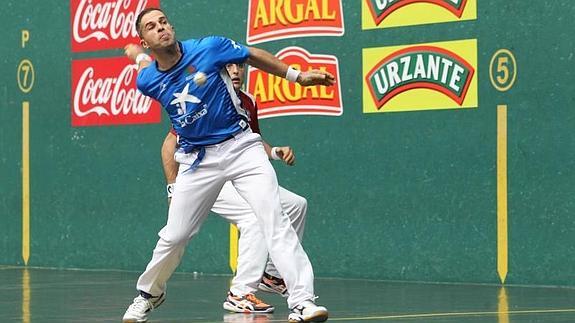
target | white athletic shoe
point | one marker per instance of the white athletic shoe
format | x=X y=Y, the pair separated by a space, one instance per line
x=138 y=311
x=307 y=311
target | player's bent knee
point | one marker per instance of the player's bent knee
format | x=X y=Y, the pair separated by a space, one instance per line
x=177 y=237
x=301 y=203
x=245 y=226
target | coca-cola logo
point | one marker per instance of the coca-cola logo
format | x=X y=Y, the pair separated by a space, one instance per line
x=104 y=93
x=105 y=24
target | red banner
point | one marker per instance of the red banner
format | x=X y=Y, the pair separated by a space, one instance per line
x=104 y=93
x=105 y=24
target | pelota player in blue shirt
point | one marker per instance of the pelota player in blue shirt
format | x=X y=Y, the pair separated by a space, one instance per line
x=216 y=145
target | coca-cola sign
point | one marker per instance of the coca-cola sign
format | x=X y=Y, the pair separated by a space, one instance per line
x=104 y=93
x=105 y=24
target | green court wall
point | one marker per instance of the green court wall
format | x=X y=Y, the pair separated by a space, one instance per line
x=396 y=196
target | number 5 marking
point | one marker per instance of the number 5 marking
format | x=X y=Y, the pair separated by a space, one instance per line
x=503 y=77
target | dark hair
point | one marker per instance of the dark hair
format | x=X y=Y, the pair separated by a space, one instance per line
x=141 y=14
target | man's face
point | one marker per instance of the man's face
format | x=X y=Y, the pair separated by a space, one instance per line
x=156 y=30
x=237 y=73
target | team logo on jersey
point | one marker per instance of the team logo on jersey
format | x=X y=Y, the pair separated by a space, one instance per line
x=105 y=24
x=420 y=77
x=278 y=19
x=394 y=13
x=182 y=98
x=104 y=93
x=276 y=96
x=191 y=69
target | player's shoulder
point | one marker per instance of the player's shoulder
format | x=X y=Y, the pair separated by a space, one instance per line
x=146 y=75
x=148 y=70
x=189 y=42
x=189 y=45
x=213 y=38
x=212 y=41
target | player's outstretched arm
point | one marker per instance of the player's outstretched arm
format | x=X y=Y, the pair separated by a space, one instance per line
x=137 y=54
x=267 y=62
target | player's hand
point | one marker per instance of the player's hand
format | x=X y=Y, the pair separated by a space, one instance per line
x=316 y=77
x=133 y=50
x=286 y=154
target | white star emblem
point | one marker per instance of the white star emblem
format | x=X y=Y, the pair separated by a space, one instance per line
x=182 y=98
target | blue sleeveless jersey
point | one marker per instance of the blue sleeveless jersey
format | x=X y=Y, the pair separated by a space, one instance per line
x=201 y=113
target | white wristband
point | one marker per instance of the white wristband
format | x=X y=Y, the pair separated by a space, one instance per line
x=274 y=153
x=292 y=74
x=170 y=189
x=143 y=57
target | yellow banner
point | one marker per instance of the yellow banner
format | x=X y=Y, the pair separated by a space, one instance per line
x=396 y=13
x=429 y=76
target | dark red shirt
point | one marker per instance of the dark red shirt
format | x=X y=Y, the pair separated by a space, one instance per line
x=249 y=104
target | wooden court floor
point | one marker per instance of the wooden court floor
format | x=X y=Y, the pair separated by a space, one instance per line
x=48 y=295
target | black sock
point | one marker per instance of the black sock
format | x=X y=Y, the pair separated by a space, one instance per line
x=145 y=295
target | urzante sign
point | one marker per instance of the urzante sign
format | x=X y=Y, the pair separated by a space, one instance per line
x=420 y=77
x=397 y=13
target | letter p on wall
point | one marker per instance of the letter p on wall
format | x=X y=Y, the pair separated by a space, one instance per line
x=25 y=37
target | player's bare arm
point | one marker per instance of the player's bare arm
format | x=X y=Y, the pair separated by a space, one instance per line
x=169 y=165
x=267 y=62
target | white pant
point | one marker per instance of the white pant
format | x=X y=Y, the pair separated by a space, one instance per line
x=252 y=255
x=243 y=161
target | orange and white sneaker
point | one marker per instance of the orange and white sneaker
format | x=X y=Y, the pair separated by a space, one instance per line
x=248 y=303
x=307 y=311
x=272 y=284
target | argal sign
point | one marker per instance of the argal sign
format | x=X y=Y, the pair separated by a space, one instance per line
x=276 y=96
x=278 y=19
